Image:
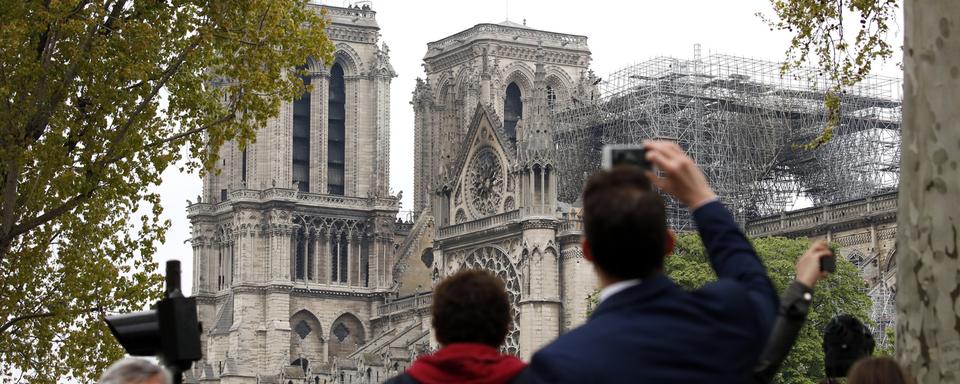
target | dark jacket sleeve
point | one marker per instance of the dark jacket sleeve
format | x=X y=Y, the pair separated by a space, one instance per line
x=732 y=257
x=794 y=307
x=402 y=378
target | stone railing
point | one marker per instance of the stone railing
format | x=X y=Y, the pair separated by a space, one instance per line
x=479 y=225
x=419 y=301
x=290 y=195
x=350 y=12
x=570 y=226
x=811 y=218
x=534 y=34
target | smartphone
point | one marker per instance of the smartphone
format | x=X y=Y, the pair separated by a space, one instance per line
x=828 y=263
x=625 y=154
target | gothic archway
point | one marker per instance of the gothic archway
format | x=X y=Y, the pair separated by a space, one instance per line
x=306 y=338
x=346 y=335
x=496 y=261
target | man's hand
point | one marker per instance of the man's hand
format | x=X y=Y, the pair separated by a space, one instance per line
x=808 y=265
x=682 y=178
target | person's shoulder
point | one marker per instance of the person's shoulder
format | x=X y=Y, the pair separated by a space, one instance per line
x=402 y=378
x=567 y=356
x=722 y=289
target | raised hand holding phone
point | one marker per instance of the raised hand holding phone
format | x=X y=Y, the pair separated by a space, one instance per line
x=815 y=263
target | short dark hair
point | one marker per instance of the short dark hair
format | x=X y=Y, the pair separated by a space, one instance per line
x=625 y=223
x=845 y=340
x=471 y=306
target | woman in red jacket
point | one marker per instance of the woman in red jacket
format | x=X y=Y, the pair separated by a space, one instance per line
x=471 y=316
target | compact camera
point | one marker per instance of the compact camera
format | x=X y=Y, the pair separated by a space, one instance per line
x=625 y=154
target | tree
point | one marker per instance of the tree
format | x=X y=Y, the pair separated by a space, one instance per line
x=97 y=98
x=823 y=36
x=928 y=222
x=840 y=293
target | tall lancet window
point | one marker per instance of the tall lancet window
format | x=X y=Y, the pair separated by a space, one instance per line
x=300 y=255
x=243 y=168
x=336 y=137
x=512 y=111
x=301 y=139
x=338 y=258
x=551 y=97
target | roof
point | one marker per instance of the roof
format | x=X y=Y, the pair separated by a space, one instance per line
x=508 y=23
x=225 y=317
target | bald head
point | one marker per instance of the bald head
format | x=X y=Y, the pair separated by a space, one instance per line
x=134 y=371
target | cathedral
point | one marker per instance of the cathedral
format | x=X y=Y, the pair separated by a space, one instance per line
x=302 y=271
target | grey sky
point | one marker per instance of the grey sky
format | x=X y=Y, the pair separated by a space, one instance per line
x=619 y=33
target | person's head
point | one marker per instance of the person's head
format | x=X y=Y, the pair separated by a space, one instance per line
x=878 y=370
x=625 y=224
x=845 y=340
x=471 y=306
x=134 y=371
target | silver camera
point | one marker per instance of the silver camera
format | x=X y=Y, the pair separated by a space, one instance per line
x=625 y=154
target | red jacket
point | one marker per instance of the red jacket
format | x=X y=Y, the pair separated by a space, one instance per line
x=466 y=363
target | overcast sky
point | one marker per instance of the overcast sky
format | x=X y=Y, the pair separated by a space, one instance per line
x=619 y=33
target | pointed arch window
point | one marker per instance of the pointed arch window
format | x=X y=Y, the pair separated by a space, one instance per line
x=300 y=255
x=339 y=260
x=551 y=97
x=512 y=111
x=336 y=136
x=301 y=138
x=243 y=168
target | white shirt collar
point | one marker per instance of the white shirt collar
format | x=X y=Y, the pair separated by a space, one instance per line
x=615 y=288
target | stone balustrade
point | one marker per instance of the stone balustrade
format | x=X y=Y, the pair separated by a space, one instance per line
x=570 y=227
x=419 y=301
x=293 y=196
x=536 y=35
x=824 y=216
x=351 y=12
x=479 y=225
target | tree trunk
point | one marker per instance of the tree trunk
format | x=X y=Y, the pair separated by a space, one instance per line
x=928 y=309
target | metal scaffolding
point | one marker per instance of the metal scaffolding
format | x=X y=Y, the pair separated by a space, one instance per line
x=744 y=124
x=883 y=313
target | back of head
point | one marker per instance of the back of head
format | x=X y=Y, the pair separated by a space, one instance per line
x=878 y=370
x=134 y=371
x=625 y=223
x=471 y=306
x=845 y=340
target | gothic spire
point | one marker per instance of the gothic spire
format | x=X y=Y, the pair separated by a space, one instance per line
x=536 y=142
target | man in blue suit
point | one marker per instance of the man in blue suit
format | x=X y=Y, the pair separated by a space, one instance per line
x=647 y=329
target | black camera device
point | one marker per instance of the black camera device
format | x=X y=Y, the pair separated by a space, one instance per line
x=829 y=263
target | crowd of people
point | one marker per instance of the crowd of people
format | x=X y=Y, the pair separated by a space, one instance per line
x=645 y=329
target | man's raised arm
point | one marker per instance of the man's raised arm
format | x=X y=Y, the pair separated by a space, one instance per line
x=731 y=255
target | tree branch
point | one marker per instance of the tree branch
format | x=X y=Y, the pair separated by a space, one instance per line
x=18 y=319
x=27 y=225
x=8 y=206
x=224 y=119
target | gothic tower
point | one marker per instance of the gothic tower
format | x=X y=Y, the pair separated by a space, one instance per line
x=491 y=65
x=293 y=239
x=485 y=176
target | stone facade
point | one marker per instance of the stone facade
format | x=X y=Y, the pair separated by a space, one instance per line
x=485 y=170
x=295 y=237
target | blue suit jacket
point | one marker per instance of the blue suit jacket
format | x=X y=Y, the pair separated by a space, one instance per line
x=657 y=332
